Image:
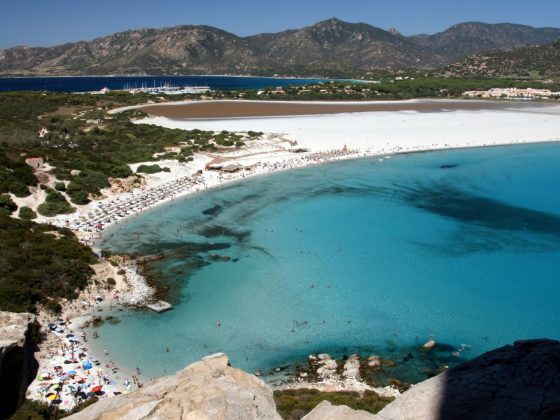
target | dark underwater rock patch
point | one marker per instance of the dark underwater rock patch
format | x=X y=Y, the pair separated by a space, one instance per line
x=468 y=207
x=213 y=211
x=215 y=231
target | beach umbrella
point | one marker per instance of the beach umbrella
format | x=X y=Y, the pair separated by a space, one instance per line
x=91 y=394
x=96 y=389
x=87 y=366
x=72 y=373
x=51 y=397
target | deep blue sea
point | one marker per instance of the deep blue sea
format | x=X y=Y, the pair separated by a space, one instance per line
x=95 y=83
x=365 y=255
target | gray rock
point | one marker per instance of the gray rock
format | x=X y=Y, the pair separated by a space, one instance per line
x=326 y=411
x=208 y=389
x=352 y=367
x=519 y=381
x=374 y=361
x=17 y=364
x=328 y=368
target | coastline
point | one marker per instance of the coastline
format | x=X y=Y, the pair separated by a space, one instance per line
x=68 y=348
x=323 y=138
x=273 y=153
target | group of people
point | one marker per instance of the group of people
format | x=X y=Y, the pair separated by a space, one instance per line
x=69 y=374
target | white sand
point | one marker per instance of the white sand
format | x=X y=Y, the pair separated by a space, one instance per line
x=390 y=132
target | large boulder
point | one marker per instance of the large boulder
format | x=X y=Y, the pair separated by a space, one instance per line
x=209 y=389
x=326 y=411
x=519 y=381
x=17 y=364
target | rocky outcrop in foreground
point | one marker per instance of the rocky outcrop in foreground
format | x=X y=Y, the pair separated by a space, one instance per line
x=209 y=389
x=519 y=381
x=17 y=365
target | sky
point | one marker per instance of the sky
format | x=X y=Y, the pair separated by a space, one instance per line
x=52 y=22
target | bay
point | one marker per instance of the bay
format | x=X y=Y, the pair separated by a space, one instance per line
x=372 y=255
x=96 y=83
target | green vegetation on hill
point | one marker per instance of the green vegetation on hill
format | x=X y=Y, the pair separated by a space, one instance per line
x=38 y=267
x=15 y=175
x=293 y=404
x=386 y=89
x=84 y=144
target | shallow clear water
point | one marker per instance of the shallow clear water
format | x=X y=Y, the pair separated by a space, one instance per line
x=359 y=255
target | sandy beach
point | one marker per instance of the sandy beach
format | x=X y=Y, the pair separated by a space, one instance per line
x=316 y=139
x=69 y=372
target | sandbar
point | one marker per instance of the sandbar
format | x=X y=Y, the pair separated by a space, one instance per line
x=217 y=109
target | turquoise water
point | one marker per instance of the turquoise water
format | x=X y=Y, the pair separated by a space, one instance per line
x=360 y=255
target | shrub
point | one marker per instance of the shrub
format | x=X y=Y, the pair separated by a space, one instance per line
x=7 y=206
x=111 y=281
x=54 y=204
x=60 y=186
x=105 y=253
x=121 y=272
x=27 y=213
x=151 y=169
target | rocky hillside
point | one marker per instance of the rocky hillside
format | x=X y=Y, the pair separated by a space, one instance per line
x=530 y=62
x=470 y=38
x=340 y=45
x=328 y=47
x=17 y=365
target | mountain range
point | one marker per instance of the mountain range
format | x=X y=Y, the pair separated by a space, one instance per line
x=327 y=48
